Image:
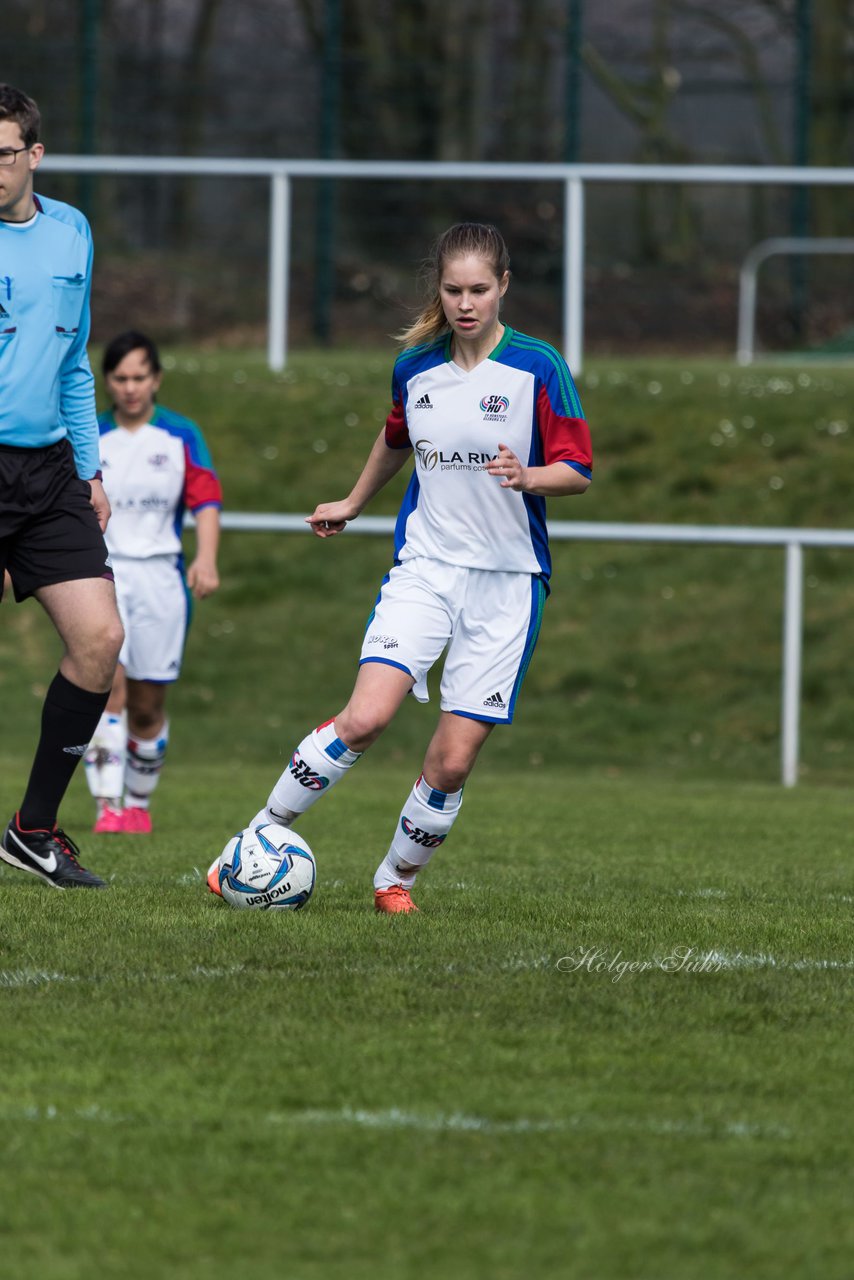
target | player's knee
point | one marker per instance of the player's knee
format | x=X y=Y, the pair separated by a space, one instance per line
x=117 y=639
x=110 y=640
x=450 y=772
x=146 y=724
x=359 y=728
x=99 y=653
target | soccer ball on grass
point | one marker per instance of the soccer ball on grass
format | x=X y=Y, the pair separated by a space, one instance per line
x=268 y=868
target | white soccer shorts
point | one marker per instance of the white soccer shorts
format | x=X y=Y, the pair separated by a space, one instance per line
x=488 y=620
x=154 y=609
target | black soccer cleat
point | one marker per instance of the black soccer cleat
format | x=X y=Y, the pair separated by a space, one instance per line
x=52 y=855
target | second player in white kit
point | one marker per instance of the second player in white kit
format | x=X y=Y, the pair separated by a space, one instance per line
x=495 y=426
x=156 y=466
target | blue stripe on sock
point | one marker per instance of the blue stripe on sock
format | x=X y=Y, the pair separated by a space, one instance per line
x=336 y=749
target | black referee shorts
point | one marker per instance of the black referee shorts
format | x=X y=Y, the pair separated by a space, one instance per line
x=48 y=528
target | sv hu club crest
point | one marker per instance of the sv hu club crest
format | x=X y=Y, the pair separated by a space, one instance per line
x=495 y=404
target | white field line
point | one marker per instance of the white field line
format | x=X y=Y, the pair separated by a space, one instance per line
x=764 y=960
x=394 y=1119
x=11 y=978
x=712 y=961
x=455 y=1122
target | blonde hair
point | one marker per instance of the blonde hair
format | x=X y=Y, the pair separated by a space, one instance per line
x=463 y=240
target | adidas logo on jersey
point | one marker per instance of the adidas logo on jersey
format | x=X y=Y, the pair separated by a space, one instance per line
x=495 y=700
x=424 y=403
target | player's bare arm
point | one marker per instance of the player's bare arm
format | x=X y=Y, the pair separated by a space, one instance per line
x=382 y=465
x=203 y=575
x=100 y=503
x=553 y=481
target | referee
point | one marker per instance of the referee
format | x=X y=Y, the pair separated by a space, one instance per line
x=53 y=509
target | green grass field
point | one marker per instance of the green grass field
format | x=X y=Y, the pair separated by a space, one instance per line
x=616 y=1044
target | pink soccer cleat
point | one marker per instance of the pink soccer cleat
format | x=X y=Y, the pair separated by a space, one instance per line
x=109 y=821
x=137 y=821
x=393 y=900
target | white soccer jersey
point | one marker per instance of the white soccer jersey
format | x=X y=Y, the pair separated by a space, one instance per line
x=151 y=474
x=521 y=396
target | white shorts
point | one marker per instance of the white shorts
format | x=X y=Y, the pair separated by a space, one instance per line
x=488 y=620
x=154 y=608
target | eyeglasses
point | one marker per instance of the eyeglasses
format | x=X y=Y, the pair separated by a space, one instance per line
x=8 y=154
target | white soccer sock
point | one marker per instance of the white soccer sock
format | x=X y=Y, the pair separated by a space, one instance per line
x=424 y=822
x=104 y=761
x=144 y=762
x=320 y=760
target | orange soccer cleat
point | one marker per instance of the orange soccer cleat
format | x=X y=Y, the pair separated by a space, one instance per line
x=393 y=900
x=213 y=878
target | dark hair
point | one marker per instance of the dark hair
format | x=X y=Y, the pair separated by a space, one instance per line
x=15 y=105
x=122 y=345
x=463 y=240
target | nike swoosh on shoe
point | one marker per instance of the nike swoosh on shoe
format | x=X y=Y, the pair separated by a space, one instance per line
x=48 y=864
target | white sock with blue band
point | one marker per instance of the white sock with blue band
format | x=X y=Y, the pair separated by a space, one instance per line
x=424 y=822
x=320 y=760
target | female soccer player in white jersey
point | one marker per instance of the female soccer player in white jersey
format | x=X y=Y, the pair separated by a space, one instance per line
x=495 y=425
x=155 y=464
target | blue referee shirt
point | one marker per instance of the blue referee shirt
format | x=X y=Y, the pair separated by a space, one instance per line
x=47 y=391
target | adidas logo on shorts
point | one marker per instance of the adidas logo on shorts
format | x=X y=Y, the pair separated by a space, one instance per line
x=495 y=700
x=424 y=403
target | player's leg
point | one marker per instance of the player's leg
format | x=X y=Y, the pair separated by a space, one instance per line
x=430 y=810
x=326 y=754
x=156 y=605
x=104 y=761
x=84 y=614
x=56 y=552
x=323 y=758
x=148 y=739
x=497 y=621
x=407 y=631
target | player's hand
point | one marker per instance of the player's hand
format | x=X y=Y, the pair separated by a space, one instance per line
x=202 y=578
x=507 y=467
x=100 y=502
x=330 y=518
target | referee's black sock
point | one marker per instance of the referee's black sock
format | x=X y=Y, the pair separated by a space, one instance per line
x=69 y=718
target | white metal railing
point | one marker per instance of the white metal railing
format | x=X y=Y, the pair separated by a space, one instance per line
x=573 y=178
x=793 y=540
x=747 y=279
